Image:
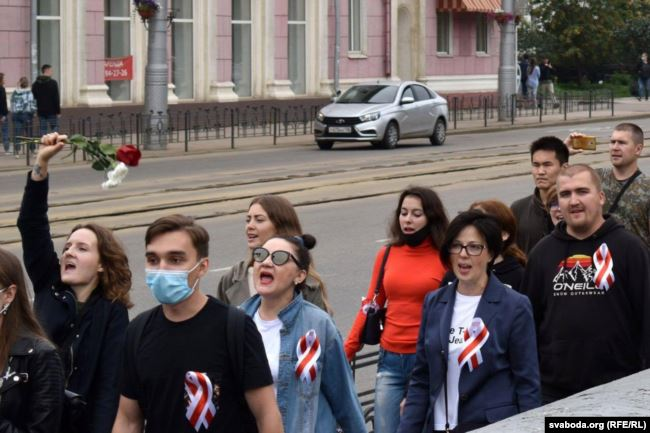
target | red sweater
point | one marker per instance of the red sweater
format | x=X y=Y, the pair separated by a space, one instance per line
x=410 y=274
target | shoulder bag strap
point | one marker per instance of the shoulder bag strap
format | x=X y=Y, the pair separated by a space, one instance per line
x=380 y=277
x=614 y=205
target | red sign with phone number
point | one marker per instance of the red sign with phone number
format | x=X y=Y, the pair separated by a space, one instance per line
x=118 y=68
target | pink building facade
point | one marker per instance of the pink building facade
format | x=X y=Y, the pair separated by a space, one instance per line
x=234 y=50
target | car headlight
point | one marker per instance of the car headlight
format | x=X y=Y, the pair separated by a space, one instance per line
x=369 y=117
x=320 y=116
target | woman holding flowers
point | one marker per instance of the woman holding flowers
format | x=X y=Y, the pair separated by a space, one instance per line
x=81 y=300
x=312 y=379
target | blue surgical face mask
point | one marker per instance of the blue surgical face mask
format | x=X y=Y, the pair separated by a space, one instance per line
x=170 y=287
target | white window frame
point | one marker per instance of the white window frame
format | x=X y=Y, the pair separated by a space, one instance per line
x=58 y=73
x=248 y=23
x=450 y=35
x=186 y=21
x=361 y=46
x=482 y=16
x=126 y=18
x=304 y=24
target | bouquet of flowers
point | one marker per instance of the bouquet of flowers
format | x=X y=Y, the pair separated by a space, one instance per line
x=114 y=162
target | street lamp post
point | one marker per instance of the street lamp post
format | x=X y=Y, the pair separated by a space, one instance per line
x=156 y=73
x=507 y=67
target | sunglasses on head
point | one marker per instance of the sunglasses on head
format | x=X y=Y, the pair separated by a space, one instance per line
x=278 y=257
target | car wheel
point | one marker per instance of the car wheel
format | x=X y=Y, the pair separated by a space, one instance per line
x=391 y=136
x=325 y=145
x=439 y=133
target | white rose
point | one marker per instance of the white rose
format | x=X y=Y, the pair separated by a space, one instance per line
x=115 y=176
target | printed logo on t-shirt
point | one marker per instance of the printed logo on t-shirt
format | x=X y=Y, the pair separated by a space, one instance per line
x=201 y=399
x=582 y=275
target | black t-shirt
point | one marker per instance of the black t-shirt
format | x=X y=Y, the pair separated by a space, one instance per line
x=176 y=363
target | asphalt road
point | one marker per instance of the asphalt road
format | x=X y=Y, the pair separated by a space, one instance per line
x=344 y=197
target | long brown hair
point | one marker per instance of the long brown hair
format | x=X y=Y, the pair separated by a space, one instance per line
x=508 y=223
x=115 y=280
x=286 y=223
x=20 y=319
x=434 y=210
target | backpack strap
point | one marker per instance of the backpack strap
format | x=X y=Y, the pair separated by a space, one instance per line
x=235 y=336
x=614 y=206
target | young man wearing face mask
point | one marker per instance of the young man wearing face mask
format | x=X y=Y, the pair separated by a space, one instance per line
x=178 y=352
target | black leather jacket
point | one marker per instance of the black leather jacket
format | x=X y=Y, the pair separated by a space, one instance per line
x=31 y=390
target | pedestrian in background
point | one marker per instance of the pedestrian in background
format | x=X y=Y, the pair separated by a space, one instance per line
x=553 y=206
x=523 y=70
x=311 y=376
x=643 y=74
x=81 y=300
x=31 y=375
x=412 y=269
x=46 y=93
x=476 y=360
x=4 y=115
x=532 y=81
x=547 y=80
x=268 y=216
x=509 y=265
x=23 y=107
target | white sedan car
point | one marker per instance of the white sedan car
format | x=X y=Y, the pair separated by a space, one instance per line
x=382 y=113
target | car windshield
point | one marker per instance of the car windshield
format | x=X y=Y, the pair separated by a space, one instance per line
x=371 y=94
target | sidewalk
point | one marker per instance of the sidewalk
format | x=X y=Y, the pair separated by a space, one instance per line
x=625 y=108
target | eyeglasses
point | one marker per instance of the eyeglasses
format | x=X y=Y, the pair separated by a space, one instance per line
x=470 y=249
x=554 y=205
x=278 y=257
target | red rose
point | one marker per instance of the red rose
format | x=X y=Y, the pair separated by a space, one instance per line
x=128 y=154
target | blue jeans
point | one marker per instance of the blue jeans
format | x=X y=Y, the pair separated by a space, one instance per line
x=5 y=133
x=22 y=128
x=393 y=373
x=644 y=86
x=48 y=124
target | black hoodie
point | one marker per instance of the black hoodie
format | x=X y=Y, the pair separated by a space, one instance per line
x=46 y=93
x=587 y=335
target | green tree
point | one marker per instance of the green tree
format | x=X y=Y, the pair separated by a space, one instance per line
x=578 y=34
x=634 y=36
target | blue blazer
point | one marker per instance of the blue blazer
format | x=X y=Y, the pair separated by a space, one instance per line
x=506 y=383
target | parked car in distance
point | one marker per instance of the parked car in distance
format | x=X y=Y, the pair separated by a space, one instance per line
x=383 y=113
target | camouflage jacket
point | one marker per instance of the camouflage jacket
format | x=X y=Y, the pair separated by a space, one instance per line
x=633 y=207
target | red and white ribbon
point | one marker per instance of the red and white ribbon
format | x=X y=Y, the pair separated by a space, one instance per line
x=475 y=337
x=200 y=408
x=308 y=351
x=604 y=277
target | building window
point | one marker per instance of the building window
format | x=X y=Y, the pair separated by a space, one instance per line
x=182 y=49
x=481 y=33
x=117 y=43
x=297 y=51
x=355 y=25
x=48 y=29
x=241 y=47
x=444 y=32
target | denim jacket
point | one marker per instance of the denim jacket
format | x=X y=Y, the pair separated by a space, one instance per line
x=318 y=406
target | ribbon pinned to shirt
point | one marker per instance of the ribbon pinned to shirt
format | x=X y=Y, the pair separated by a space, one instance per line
x=604 y=263
x=308 y=351
x=200 y=408
x=475 y=337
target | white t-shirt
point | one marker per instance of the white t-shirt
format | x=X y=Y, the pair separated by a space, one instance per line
x=464 y=310
x=270 y=332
